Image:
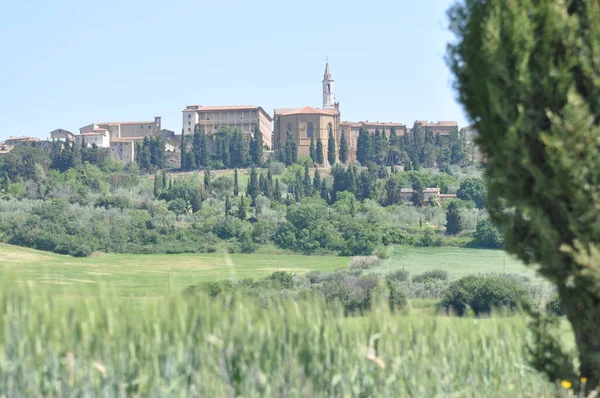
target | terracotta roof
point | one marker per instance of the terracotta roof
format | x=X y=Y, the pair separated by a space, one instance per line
x=437 y=124
x=200 y=108
x=22 y=138
x=281 y=111
x=308 y=110
x=128 y=139
x=118 y=123
x=426 y=190
x=95 y=132
x=371 y=124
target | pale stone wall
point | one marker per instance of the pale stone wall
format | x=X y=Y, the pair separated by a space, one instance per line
x=123 y=151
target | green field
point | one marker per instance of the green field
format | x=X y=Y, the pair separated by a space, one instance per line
x=158 y=274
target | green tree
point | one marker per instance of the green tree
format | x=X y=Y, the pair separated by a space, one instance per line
x=363 y=146
x=253 y=186
x=183 y=151
x=256 y=147
x=418 y=197
x=527 y=74
x=207 y=180
x=454 y=220
x=204 y=159
x=196 y=145
x=291 y=151
x=277 y=191
x=227 y=205
x=343 y=148
x=242 y=208
x=312 y=151
x=320 y=157
x=317 y=181
x=473 y=189
x=331 y=156
x=157 y=187
x=236 y=184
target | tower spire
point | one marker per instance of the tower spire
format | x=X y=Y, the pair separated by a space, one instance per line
x=328 y=92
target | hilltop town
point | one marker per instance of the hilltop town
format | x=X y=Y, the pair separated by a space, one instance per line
x=303 y=125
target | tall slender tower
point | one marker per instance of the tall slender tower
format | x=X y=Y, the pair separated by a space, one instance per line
x=328 y=92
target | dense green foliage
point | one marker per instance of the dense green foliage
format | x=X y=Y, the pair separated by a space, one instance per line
x=527 y=73
x=481 y=294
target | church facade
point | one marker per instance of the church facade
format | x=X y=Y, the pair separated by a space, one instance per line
x=308 y=123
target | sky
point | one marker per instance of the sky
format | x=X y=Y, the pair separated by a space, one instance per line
x=69 y=63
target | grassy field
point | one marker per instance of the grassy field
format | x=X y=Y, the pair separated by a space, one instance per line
x=172 y=347
x=158 y=274
x=457 y=261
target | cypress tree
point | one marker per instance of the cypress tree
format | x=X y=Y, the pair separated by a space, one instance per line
x=320 y=157
x=227 y=205
x=207 y=180
x=277 y=191
x=317 y=180
x=325 y=191
x=164 y=180
x=312 y=150
x=291 y=151
x=253 y=186
x=196 y=146
x=262 y=183
x=256 y=147
x=269 y=192
x=363 y=146
x=204 y=153
x=242 y=209
x=331 y=148
x=343 y=148
x=156 y=185
x=306 y=182
x=183 y=151
x=226 y=155
x=236 y=186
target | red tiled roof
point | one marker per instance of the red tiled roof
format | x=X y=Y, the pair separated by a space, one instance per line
x=308 y=110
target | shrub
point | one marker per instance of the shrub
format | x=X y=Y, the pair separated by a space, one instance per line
x=285 y=279
x=554 y=305
x=354 y=293
x=364 y=262
x=398 y=276
x=434 y=275
x=482 y=294
x=396 y=298
x=277 y=168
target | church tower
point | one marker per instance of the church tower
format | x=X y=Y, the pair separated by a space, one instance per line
x=328 y=92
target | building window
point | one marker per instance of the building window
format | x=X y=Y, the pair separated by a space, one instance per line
x=189 y=116
x=310 y=129
x=189 y=129
x=189 y=123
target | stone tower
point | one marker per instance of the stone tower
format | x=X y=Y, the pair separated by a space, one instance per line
x=328 y=91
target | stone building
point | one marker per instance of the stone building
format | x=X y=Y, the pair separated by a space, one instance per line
x=100 y=137
x=125 y=129
x=123 y=149
x=21 y=141
x=244 y=118
x=351 y=131
x=443 y=128
x=308 y=122
x=61 y=135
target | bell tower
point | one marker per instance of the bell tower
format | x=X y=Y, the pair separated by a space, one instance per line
x=328 y=90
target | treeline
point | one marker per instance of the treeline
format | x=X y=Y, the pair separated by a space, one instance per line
x=420 y=149
x=226 y=149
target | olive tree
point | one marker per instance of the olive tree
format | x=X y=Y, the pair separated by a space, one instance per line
x=528 y=75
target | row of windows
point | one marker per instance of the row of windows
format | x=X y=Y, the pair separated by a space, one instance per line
x=310 y=129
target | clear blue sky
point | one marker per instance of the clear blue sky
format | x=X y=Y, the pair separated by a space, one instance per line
x=68 y=63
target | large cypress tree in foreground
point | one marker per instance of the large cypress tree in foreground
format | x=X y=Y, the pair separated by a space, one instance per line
x=527 y=73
